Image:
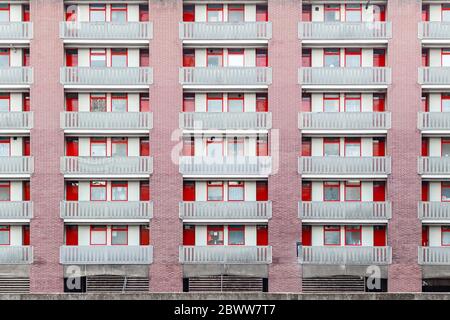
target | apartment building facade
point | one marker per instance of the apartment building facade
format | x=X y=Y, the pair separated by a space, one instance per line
x=224 y=145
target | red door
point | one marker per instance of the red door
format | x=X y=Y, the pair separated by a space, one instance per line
x=189 y=13
x=189 y=191
x=72 y=147
x=188 y=58
x=144 y=236
x=26 y=191
x=306 y=103
x=26 y=102
x=26 y=147
x=379 y=236
x=306 y=147
x=72 y=191
x=262 y=191
x=425 y=191
x=306 y=236
x=143 y=13
x=378 y=103
x=306 y=58
x=262 y=236
x=379 y=147
x=145 y=147
x=262 y=147
x=379 y=12
x=262 y=13
x=144 y=102
x=425 y=235
x=71 y=235
x=72 y=102
x=379 y=58
x=144 y=191
x=189 y=235
x=379 y=191
x=262 y=104
x=424 y=147
x=26 y=58
x=25 y=235
x=306 y=191
x=188 y=102
x=72 y=58
x=261 y=58
x=306 y=12
x=26 y=13
x=144 y=58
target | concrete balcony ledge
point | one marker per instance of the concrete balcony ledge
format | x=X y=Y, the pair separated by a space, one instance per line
x=225 y=30
x=434 y=30
x=138 y=255
x=434 y=211
x=16 y=77
x=106 y=210
x=225 y=120
x=111 y=121
x=16 y=31
x=368 y=121
x=82 y=30
x=345 y=255
x=345 y=30
x=236 y=210
x=344 y=211
x=16 y=255
x=225 y=254
x=434 y=122
x=16 y=210
x=16 y=166
x=436 y=256
x=434 y=166
x=434 y=77
x=16 y=121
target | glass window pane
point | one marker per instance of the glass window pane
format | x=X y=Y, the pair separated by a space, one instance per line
x=236 y=16
x=331 y=61
x=445 y=105
x=353 y=13
x=332 y=13
x=4 y=16
x=236 y=148
x=98 y=103
x=4 y=236
x=98 y=61
x=215 y=150
x=118 y=13
x=445 y=192
x=236 y=192
x=235 y=105
x=119 y=193
x=352 y=105
x=119 y=149
x=236 y=236
x=98 y=193
x=119 y=103
x=4 y=104
x=235 y=59
x=4 y=149
x=352 y=150
x=118 y=58
x=215 y=13
x=4 y=193
x=331 y=193
x=4 y=58
x=98 y=237
x=353 y=237
x=331 y=149
x=446 y=60
x=97 y=13
x=215 y=237
x=332 y=237
x=331 y=103
x=446 y=238
x=352 y=60
x=119 y=237
x=446 y=148
x=215 y=193
x=353 y=193
x=215 y=105
x=446 y=12
x=98 y=149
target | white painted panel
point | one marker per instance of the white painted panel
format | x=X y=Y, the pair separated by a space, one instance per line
x=367 y=236
x=16 y=146
x=16 y=191
x=317 y=57
x=133 y=147
x=133 y=57
x=15 y=101
x=435 y=102
x=200 y=57
x=435 y=191
x=84 y=191
x=435 y=12
x=367 y=14
x=367 y=57
x=201 y=235
x=200 y=12
x=83 y=13
x=250 y=235
x=15 y=12
x=435 y=57
x=84 y=102
x=15 y=57
x=15 y=235
x=317 y=235
x=84 y=147
x=250 y=12
x=366 y=147
x=367 y=191
x=133 y=102
x=250 y=146
x=250 y=191
x=317 y=191
x=250 y=102
x=435 y=147
x=200 y=102
x=133 y=190
x=366 y=102
x=84 y=57
x=199 y=147
x=133 y=235
x=133 y=12
x=317 y=12
x=84 y=235
x=317 y=147
x=250 y=57
x=200 y=191
x=317 y=102
x=434 y=236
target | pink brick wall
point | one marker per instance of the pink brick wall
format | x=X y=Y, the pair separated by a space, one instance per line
x=47 y=101
x=284 y=186
x=166 y=182
x=404 y=232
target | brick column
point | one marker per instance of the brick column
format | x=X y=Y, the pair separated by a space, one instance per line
x=165 y=183
x=404 y=54
x=284 y=186
x=47 y=183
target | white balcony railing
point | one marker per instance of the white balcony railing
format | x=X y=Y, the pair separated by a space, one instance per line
x=250 y=165
x=434 y=76
x=344 y=30
x=16 y=76
x=225 y=254
x=320 y=210
x=16 y=30
x=16 y=120
x=244 y=76
x=434 y=165
x=106 y=255
x=434 y=30
x=226 y=120
x=434 y=256
x=365 y=76
x=16 y=255
x=344 y=120
x=344 y=165
x=106 y=30
x=434 y=121
x=106 y=120
x=246 y=210
x=434 y=210
x=16 y=165
x=225 y=30
x=17 y=210
x=107 y=165
x=109 y=210
x=345 y=255
x=86 y=76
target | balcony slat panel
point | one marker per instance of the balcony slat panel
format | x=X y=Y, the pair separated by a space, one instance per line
x=106 y=165
x=106 y=254
x=106 y=76
x=344 y=120
x=434 y=165
x=16 y=30
x=106 y=30
x=226 y=120
x=250 y=165
x=107 y=120
x=16 y=76
x=345 y=210
x=106 y=210
x=434 y=210
x=344 y=30
x=16 y=209
x=434 y=75
x=345 y=76
x=434 y=30
x=225 y=31
x=226 y=210
x=434 y=121
x=345 y=255
x=16 y=120
x=226 y=254
x=226 y=76
x=434 y=256
x=16 y=165
x=344 y=165
x=16 y=254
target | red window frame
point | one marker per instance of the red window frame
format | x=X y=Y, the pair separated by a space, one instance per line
x=236 y=141
x=379 y=191
x=236 y=185
x=98 y=229
x=348 y=185
x=6 y=184
x=117 y=140
x=6 y=96
x=444 y=7
x=444 y=140
x=98 y=185
x=444 y=229
x=188 y=190
x=72 y=147
x=214 y=184
x=234 y=228
x=236 y=52
x=331 y=141
x=6 y=52
x=444 y=97
x=119 y=7
x=352 y=141
x=97 y=7
x=331 y=52
x=348 y=7
x=349 y=229
x=72 y=58
x=120 y=228
x=26 y=191
x=331 y=229
x=354 y=97
x=119 y=184
x=188 y=13
x=214 y=228
x=95 y=140
x=7 y=8
x=331 y=97
x=97 y=52
x=332 y=7
x=6 y=228
x=262 y=13
x=262 y=235
x=214 y=52
x=119 y=52
x=97 y=96
x=236 y=7
x=262 y=58
x=119 y=96
x=353 y=52
x=214 y=97
x=444 y=185
x=214 y=140
x=425 y=147
x=71 y=235
x=188 y=235
x=214 y=7
x=425 y=236
x=332 y=185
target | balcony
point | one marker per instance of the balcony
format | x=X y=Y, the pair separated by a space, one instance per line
x=213 y=211
x=16 y=121
x=16 y=210
x=437 y=256
x=109 y=77
x=234 y=77
x=16 y=255
x=434 y=32
x=106 y=210
x=248 y=166
x=344 y=31
x=226 y=120
x=434 y=122
x=434 y=77
x=345 y=255
x=16 y=77
x=334 y=78
x=435 y=211
x=90 y=167
x=225 y=255
x=106 y=255
x=434 y=167
x=88 y=122
x=374 y=122
x=345 y=211
x=229 y=31
x=340 y=167
x=114 y=32
x=16 y=32
x=16 y=166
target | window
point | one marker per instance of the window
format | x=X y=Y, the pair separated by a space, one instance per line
x=331 y=58
x=235 y=102
x=188 y=147
x=352 y=103
x=262 y=12
x=445 y=235
x=4 y=102
x=262 y=146
x=445 y=150
x=71 y=12
x=331 y=102
x=144 y=147
x=262 y=104
x=119 y=13
x=5 y=191
x=332 y=235
x=97 y=12
x=378 y=102
x=98 y=58
x=445 y=102
x=5 y=235
x=352 y=147
x=214 y=147
x=445 y=191
x=4 y=57
x=262 y=58
x=98 y=147
x=236 y=147
x=236 y=235
x=379 y=12
x=119 y=191
x=214 y=191
x=235 y=57
x=214 y=102
x=352 y=191
x=144 y=191
x=98 y=235
x=306 y=13
x=353 y=58
x=214 y=12
x=353 y=13
x=119 y=147
x=98 y=191
x=235 y=13
x=379 y=147
x=26 y=57
x=144 y=58
x=214 y=58
x=446 y=57
x=215 y=236
x=306 y=191
x=353 y=235
x=119 y=58
x=4 y=147
x=236 y=191
x=446 y=12
x=332 y=12
x=119 y=102
x=306 y=147
x=4 y=12
x=188 y=13
x=188 y=58
x=119 y=235
x=98 y=102
x=425 y=57
x=306 y=102
x=331 y=191
x=306 y=58
x=331 y=147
